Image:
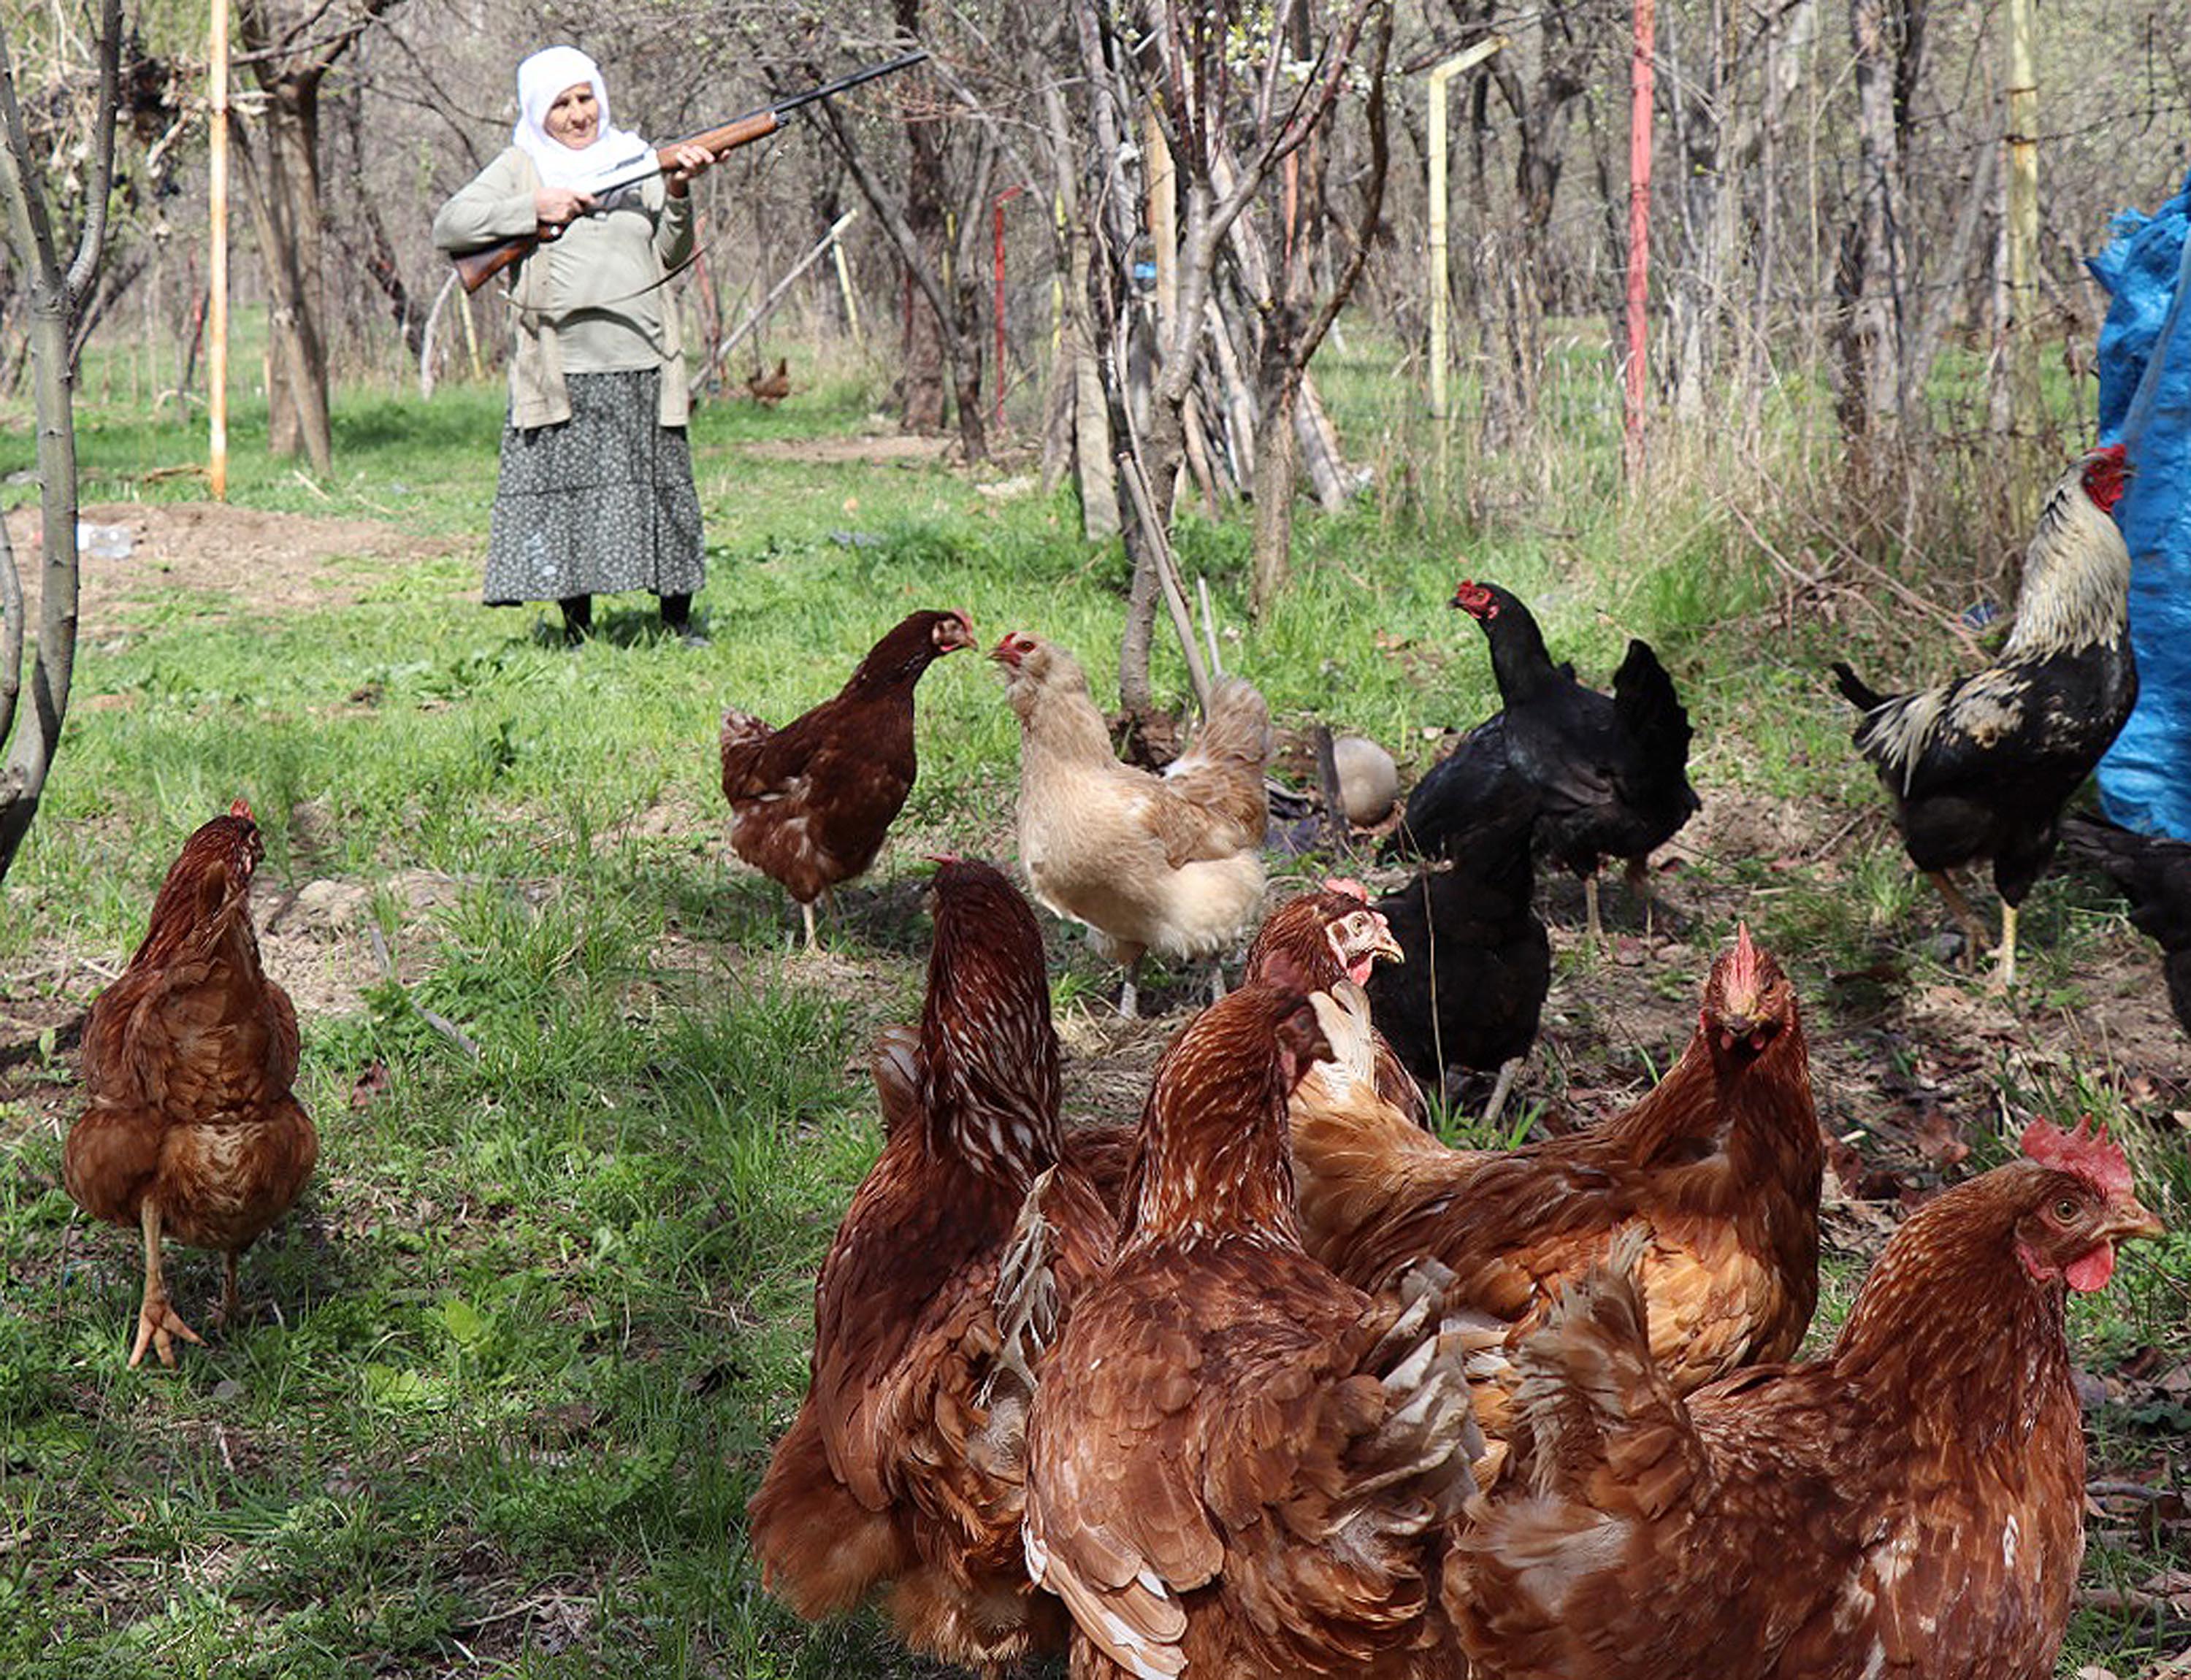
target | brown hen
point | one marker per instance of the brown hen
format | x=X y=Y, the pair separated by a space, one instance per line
x=811 y=802
x=192 y=1130
x=1720 y=1164
x=899 y=1470
x=1315 y=941
x=1910 y=1506
x=1171 y=864
x=768 y=389
x=1239 y=1464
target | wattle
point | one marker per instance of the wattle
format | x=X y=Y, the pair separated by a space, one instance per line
x=2091 y=1270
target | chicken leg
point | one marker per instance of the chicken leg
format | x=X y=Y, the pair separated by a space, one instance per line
x=1597 y=928
x=2004 y=959
x=156 y=1322
x=1974 y=931
x=1638 y=876
x=1502 y=1088
x=806 y=911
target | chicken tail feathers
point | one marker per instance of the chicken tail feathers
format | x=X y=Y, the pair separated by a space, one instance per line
x=1237 y=730
x=1026 y=1298
x=743 y=737
x=1416 y=1464
x=1645 y=700
x=1591 y=1399
x=1221 y=776
x=895 y=1061
x=1855 y=690
x=2152 y=872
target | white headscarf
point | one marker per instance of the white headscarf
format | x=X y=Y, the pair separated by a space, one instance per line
x=540 y=78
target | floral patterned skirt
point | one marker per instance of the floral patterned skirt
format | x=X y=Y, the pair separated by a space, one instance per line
x=600 y=504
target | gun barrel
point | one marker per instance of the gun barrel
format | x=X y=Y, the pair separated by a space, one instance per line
x=476 y=268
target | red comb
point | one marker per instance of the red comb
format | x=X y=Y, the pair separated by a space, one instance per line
x=1742 y=963
x=240 y=808
x=2087 y=1152
x=2105 y=469
x=1347 y=889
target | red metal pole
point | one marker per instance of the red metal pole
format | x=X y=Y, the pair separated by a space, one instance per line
x=1639 y=232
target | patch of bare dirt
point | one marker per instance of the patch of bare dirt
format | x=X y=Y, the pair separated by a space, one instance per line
x=879 y=448
x=275 y=561
x=317 y=938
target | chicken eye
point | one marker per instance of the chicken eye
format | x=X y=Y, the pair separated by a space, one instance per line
x=2065 y=1210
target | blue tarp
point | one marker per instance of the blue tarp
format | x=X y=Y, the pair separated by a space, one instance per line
x=2145 y=403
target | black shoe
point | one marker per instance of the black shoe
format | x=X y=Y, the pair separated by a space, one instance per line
x=688 y=634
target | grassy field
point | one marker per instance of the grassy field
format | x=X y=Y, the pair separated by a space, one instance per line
x=545 y=1304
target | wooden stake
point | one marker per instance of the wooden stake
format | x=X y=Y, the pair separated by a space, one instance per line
x=2022 y=235
x=1439 y=78
x=1639 y=233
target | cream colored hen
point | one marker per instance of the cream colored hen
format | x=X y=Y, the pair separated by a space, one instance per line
x=1170 y=864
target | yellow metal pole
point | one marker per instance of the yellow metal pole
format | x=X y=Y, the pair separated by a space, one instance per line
x=217 y=260
x=1440 y=76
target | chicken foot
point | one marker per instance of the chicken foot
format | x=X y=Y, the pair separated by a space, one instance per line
x=1974 y=930
x=157 y=1323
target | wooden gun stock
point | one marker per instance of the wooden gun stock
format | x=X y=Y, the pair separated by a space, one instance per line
x=476 y=267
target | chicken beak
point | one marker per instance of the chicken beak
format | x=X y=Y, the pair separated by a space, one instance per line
x=2129 y=1217
x=1385 y=945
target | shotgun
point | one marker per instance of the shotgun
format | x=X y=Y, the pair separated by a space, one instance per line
x=476 y=268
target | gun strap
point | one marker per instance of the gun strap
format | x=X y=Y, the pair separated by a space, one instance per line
x=510 y=297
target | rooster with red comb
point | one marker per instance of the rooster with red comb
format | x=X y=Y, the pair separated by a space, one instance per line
x=1979 y=769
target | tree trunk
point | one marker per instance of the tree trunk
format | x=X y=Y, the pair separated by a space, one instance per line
x=32 y=739
x=33 y=734
x=1277 y=467
x=921 y=385
x=1869 y=275
x=282 y=184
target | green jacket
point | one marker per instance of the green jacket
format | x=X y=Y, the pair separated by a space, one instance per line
x=583 y=295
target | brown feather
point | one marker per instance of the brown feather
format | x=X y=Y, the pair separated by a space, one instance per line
x=905 y=1419
x=1720 y=1164
x=1911 y=1505
x=1240 y=1465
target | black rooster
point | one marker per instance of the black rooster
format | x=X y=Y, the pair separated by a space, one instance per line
x=1979 y=769
x=1608 y=773
x=2154 y=874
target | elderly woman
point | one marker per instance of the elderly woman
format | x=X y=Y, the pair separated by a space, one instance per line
x=595 y=493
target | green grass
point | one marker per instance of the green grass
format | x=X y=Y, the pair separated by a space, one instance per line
x=542 y=1312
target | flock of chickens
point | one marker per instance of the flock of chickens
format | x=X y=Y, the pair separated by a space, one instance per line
x=1274 y=1381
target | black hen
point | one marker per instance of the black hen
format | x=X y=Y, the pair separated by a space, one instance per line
x=1979 y=768
x=1471 y=785
x=1608 y=774
x=1476 y=962
x=2154 y=874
